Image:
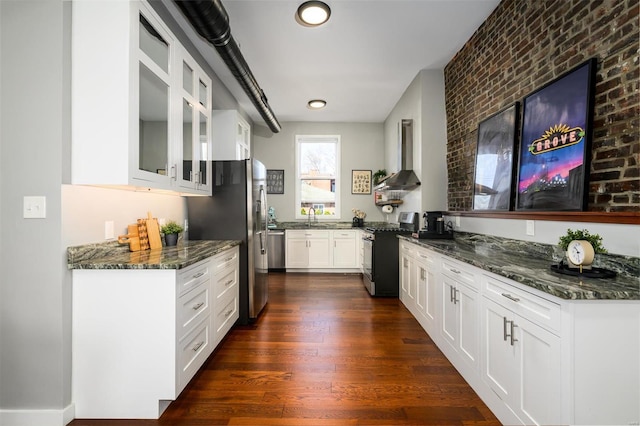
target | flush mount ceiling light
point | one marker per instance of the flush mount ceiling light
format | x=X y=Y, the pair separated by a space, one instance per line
x=313 y=13
x=316 y=104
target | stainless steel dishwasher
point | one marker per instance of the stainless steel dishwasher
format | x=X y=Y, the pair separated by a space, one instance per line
x=276 y=250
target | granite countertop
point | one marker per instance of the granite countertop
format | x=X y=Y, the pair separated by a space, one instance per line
x=529 y=264
x=112 y=255
x=324 y=225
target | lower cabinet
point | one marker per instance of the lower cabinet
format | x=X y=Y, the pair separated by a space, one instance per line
x=522 y=364
x=139 y=336
x=531 y=357
x=460 y=325
x=322 y=249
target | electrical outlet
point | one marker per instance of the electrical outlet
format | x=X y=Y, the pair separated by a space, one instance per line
x=531 y=230
x=109 y=230
x=34 y=207
x=186 y=224
x=162 y=221
x=457 y=222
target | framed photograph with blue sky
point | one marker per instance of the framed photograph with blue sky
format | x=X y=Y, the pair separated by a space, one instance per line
x=494 y=171
x=555 y=148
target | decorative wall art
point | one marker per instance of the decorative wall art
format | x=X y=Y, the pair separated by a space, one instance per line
x=361 y=181
x=556 y=143
x=495 y=151
x=275 y=181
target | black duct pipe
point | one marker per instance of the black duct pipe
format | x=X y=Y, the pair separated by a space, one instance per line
x=210 y=20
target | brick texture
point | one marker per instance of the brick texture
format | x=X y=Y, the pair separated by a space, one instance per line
x=523 y=45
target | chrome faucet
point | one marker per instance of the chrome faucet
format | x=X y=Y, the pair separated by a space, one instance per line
x=309 y=216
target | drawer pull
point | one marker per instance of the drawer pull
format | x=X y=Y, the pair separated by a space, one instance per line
x=198 y=275
x=425 y=257
x=197 y=346
x=510 y=297
x=197 y=306
x=229 y=312
x=455 y=271
x=228 y=283
x=229 y=259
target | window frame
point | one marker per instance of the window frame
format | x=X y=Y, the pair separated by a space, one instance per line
x=300 y=139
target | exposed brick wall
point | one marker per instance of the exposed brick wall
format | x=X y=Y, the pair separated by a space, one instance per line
x=525 y=44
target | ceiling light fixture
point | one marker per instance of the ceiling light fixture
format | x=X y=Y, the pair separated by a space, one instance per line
x=316 y=104
x=313 y=13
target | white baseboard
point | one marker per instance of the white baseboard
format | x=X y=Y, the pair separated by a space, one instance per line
x=37 y=417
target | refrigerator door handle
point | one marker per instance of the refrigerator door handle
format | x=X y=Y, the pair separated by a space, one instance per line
x=262 y=210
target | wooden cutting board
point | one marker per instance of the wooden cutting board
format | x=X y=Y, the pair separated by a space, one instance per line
x=153 y=232
x=142 y=234
x=131 y=238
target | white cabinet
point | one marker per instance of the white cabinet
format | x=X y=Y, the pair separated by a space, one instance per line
x=225 y=292
x=140 y=335
x=460 y=307
x=307 y=249
x=231 y=136
x=418 y=286
x=522 y=359
x=129 y=97
x=345 y=249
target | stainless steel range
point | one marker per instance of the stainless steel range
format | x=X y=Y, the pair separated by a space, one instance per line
x=380 y=266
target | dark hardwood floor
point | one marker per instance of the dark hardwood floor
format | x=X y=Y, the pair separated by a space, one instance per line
x=325 y=353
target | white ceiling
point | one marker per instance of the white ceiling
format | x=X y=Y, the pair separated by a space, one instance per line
x=360 y=62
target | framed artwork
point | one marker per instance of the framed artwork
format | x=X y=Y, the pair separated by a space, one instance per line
x=494 y=171
x=361 y=181
x=555 y=148
x=275 y=181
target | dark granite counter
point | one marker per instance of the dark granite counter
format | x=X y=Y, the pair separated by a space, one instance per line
x=112 y=255
x=529 y=264
x=323 y=225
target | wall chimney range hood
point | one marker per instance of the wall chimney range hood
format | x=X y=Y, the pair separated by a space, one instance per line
x=405 y=179
x=210 y=20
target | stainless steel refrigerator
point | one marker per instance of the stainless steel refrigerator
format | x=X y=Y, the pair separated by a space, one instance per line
x=237 y=211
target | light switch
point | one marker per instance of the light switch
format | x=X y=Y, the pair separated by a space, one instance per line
x=34 y=207
x=531 y=230
x=109 y=230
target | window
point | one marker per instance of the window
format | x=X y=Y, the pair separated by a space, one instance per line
x=318 y=176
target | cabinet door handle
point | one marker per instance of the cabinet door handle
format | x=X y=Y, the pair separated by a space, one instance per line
x=452 y=296
x=197 y=346
x=198 y=275
x=513 y=338
x=510 y=297
x=423 y=274
x=197 y=306
x=455 y=296
x=504 y=328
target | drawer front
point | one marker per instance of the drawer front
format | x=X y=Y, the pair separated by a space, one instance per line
x=226 y=281
x=307 y=234
x=543 y=312
x=226 y=314
x=460 y=273
x=344 y=235
x=193 y=351
x=193 y=306
x=224 y=259
x=426 y=256
x=192 y=276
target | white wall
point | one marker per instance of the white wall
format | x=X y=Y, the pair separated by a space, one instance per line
x=616 y=238
x=35 y=289
x=362 y=149
x=423 y=102
x=34 y=356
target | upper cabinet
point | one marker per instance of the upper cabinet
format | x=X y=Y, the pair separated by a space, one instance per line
x=231 y=136
x=141 y=105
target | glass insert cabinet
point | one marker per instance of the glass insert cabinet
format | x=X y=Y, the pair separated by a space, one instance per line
x=141 y=105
